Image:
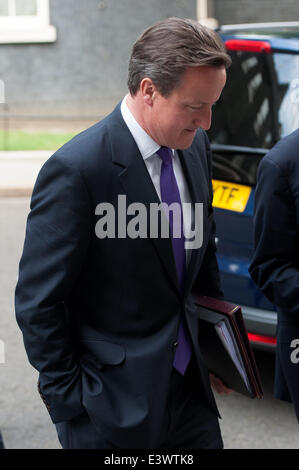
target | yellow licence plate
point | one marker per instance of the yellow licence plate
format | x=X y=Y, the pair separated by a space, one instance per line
x=230 y=196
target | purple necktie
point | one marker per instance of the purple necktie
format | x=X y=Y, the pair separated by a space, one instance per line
x=170 y=194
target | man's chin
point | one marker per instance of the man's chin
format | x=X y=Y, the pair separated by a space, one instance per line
x=186 y=141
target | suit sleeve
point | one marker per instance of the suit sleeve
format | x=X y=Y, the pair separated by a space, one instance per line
x=273 y=267
x=208 y=279
x=56 y=242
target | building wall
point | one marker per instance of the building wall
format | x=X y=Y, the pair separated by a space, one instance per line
x=84 y=73
x=252 y=11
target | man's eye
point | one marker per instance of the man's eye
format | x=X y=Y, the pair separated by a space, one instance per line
x=196 y=108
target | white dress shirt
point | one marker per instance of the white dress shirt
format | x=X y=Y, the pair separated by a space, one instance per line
x=148 y=148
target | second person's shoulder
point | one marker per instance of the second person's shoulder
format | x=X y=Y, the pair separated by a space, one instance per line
x=285 y=154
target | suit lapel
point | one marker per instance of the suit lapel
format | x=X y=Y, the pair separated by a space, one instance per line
x=138 y=185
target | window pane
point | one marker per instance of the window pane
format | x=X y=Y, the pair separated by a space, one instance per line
x=26 y=7
x=3 y=7
x=263 y=91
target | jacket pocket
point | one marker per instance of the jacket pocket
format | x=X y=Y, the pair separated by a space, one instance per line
x=102 y=351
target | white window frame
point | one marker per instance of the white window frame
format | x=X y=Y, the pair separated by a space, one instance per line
x=28 y=29
x=202 y=14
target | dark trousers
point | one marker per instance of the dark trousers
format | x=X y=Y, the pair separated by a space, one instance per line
x=188 y=422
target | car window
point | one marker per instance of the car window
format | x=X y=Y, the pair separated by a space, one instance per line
x=258 y=105
x=287 y=67
x=235 y=166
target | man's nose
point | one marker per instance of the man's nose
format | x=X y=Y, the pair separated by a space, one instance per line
x=204 y=119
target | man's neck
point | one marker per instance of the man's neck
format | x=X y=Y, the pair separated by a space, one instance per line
x=137 y=111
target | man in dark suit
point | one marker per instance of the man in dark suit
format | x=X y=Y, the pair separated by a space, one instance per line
x=275 y=264
x=105 y=306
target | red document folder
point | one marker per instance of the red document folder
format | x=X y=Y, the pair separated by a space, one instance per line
x=225 y=347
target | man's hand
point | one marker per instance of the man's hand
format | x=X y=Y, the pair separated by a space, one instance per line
x=218 y=385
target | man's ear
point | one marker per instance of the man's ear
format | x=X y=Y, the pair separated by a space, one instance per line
x=148 y=91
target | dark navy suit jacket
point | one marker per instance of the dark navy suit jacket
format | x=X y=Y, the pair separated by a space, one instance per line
x=100 y=316
x=275 y=265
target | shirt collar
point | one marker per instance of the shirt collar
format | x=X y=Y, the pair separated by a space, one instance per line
x=146 y=145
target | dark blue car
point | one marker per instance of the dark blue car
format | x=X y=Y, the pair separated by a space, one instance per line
x=259 y=105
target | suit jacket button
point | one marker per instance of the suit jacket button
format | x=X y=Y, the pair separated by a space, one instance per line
x=175 y=345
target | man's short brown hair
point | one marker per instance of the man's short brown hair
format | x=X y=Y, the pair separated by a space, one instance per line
x=165 y=49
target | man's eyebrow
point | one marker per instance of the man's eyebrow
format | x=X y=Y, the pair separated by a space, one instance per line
x=187 y=103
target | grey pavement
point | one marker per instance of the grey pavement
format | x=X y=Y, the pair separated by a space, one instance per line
x=24 y=420
x=18 y=171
